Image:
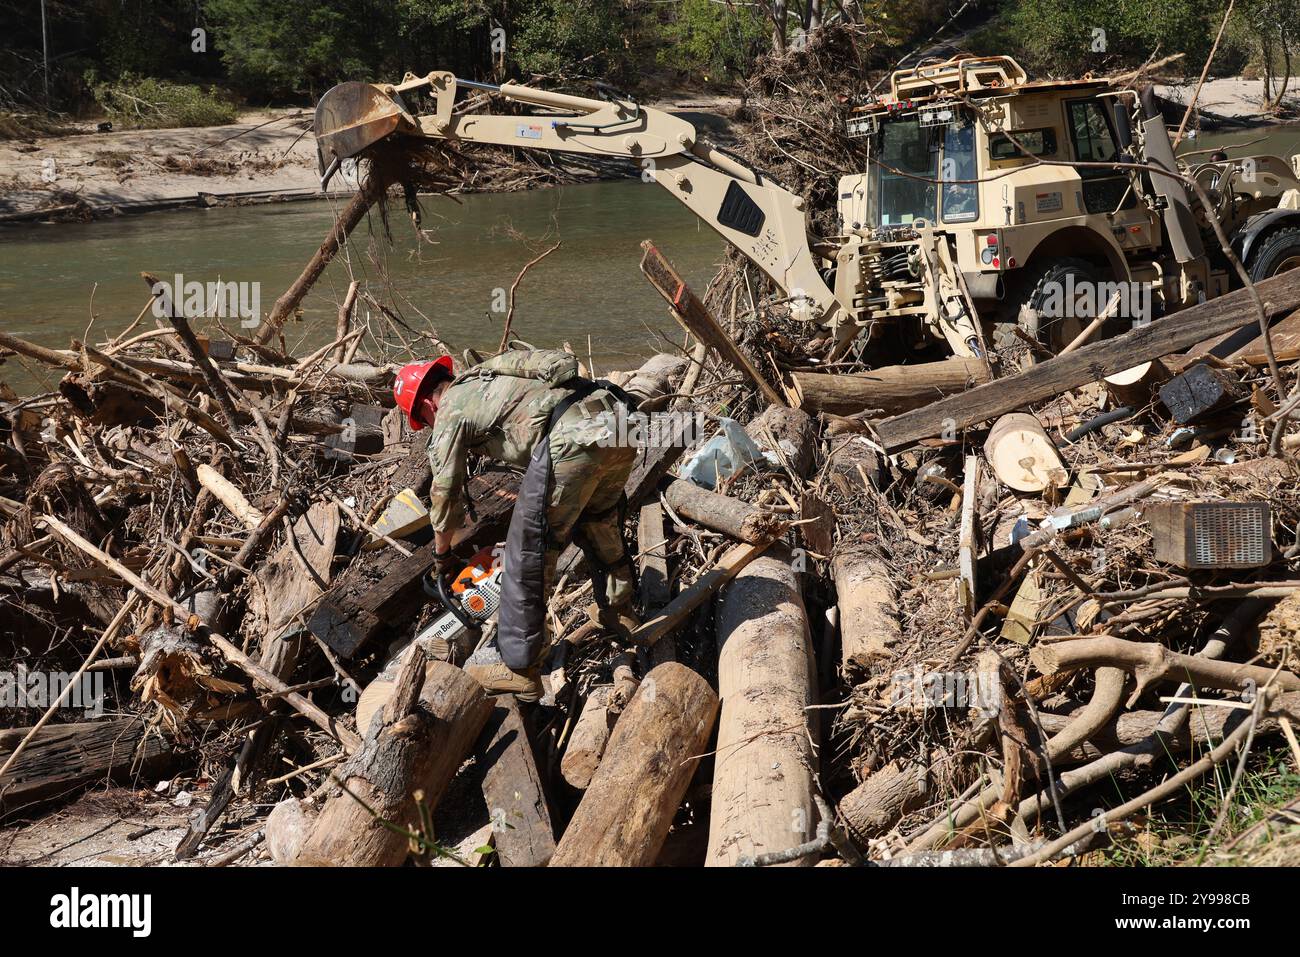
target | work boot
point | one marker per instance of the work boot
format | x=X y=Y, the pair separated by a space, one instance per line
x=486 y=667
x=620 y=621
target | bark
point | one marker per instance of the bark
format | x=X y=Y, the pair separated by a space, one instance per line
x=888 y=390
x=415 y=747
x=628 y=809
x=765 y=767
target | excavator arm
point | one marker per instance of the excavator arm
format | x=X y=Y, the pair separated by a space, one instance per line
x=760 y=218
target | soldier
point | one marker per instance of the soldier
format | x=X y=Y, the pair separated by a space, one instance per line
x=532 y=410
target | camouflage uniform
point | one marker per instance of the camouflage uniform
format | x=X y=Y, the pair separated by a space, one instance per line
x=504 y=417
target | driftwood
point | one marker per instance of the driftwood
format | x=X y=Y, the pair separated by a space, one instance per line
x=868 y=606
x=61 y=759
x=589 y=738
x=891 y=389
x=625 y=815
x=1088 y=364
x=1151 y=662
x=765 y=768
x=722 y=513
x=880 y=801
x=386 y=792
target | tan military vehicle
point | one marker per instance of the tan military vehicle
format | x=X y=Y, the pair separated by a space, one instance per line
x=988 y=202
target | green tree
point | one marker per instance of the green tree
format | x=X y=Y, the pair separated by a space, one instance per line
x=1070 y=37
x=714 y=39
x=570 y=37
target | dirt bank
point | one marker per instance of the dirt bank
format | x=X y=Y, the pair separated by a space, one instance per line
x=103 y=173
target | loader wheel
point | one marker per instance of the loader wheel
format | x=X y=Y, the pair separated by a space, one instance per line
x=1041 y=309
x=1280 y=252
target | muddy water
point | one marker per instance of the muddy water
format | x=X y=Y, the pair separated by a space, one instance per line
x=53 y=278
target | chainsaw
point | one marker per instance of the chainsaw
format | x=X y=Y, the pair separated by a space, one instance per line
x=469 y=601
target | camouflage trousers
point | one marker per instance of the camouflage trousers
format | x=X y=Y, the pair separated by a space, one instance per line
x=587 y=483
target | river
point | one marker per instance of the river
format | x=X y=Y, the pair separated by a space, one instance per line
x=55 y=278
x=63 y=281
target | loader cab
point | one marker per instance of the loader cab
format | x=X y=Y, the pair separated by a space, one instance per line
x=921 y=171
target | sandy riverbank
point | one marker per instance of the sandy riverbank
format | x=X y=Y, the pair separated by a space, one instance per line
x=103 y=173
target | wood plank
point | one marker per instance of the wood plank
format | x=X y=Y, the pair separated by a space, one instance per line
x=512 y=789
x=695 y=317
x=1091 y=363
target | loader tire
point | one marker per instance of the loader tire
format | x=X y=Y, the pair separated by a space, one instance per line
x=1029 y=310
x=1279 y=252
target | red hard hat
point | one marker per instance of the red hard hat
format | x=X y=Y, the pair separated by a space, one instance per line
x=410 y=380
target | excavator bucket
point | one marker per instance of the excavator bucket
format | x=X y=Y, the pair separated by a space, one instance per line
x=352 y=116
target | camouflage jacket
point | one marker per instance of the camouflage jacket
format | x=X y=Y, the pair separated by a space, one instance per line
x=502 y=416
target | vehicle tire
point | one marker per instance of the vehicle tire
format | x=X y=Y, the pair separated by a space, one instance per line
x=1031 y=309
x=1279 y=251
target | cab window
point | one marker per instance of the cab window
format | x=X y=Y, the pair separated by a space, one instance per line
x=1093 y=140
x=1035 y=142
x=960 y=200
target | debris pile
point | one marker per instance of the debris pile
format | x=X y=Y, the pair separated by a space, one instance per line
x=933 y=613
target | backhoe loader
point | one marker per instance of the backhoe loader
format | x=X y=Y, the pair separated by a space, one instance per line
x=989 y=202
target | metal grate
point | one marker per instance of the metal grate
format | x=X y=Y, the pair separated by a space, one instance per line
x=1227 y=534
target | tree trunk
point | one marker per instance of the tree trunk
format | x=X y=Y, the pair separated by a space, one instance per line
x=764 y=771
x=625 y=815
x=427 y=728
x=868 y=604
x=891 y=389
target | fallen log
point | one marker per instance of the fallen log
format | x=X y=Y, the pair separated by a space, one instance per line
x=589 y=738
x=62 y=758
x=625 y=815
x=880 y=801
x=722 y=513
x=868 y=606
x=1090 y=363
x=522 y=832
x=409 y=756
x=765 y=767
x=888 y=390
